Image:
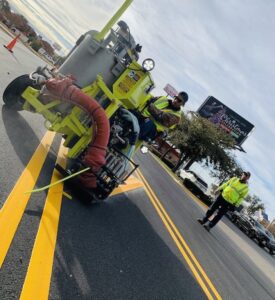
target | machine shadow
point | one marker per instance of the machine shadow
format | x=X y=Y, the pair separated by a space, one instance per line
x=111 y=251
x=22 y=137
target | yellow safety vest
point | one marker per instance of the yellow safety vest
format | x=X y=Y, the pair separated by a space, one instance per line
x=234 y=191
x=161 y=103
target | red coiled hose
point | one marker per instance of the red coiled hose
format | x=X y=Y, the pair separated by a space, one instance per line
x=96 y=152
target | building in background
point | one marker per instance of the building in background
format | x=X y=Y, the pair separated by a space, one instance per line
x=44 y=53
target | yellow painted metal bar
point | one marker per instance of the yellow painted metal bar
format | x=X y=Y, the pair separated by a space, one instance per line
x=82 y=129
x=92 y=89
x=100 y=36
x=81 y=144
x=52 y=104
x=30 y=95
x=15 y=205
x=115 y=103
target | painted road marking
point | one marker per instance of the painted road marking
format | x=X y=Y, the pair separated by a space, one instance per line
x=132 y=183
x=184 y=249
x=38 y=278
x=14 y=207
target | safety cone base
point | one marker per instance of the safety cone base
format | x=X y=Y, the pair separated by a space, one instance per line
x=8 y=48
x=12 y=43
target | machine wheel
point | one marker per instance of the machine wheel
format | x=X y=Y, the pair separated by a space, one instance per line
x=12 y=94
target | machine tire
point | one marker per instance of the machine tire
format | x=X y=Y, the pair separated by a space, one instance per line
x=12 y=94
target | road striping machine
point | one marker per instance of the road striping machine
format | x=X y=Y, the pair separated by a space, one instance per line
x=93 y=100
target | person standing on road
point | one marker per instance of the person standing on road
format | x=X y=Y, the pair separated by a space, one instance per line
x=233 y=193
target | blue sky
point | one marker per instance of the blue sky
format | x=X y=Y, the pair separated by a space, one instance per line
x=219 y=48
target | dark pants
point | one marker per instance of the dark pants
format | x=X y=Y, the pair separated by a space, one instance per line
x=222 y=206
x=148 y=129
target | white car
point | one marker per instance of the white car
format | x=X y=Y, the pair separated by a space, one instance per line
x=194 y=182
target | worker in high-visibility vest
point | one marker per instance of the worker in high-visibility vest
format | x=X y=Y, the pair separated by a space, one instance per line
x=160 y=114
x=232 y=194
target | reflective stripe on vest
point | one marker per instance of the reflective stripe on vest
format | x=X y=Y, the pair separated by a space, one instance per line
x=161 y=103
x=240 y=190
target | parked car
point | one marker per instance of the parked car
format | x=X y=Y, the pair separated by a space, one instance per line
x=195 y=184
x=263 y=236
x=244 y=222
x=253 y=229
x=232 y=215
x=270 y=244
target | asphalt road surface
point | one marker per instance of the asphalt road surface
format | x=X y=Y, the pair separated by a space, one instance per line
x=142 y=243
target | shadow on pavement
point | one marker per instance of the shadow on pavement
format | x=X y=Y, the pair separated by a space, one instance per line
x=22 y=137
x=111 y=251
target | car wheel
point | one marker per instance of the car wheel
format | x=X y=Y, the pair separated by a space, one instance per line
x=12 y=94
x=251 y=235
x=261 y=244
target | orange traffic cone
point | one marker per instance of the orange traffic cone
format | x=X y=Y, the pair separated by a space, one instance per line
x=12 y=43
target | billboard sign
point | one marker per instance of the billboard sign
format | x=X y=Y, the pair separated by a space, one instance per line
x=170 y=90
x=218 y=113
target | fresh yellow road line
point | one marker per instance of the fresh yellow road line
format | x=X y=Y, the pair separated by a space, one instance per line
x=178 y=238
x=132 y=183
x=182 y=251
x=38 y=278
x=14 y=207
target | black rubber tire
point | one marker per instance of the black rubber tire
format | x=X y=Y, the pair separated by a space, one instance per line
x=12 y=94
x=261 y=244
x=251 y=235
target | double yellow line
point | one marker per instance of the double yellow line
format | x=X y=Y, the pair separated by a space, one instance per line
x=14 y=206
x=203 y=280
x=38 y=278
x=37 y=281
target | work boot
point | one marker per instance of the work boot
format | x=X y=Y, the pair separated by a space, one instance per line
x=207 y=227
x=201 y=221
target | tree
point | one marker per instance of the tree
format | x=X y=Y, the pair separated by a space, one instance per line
x=226 y=168
x=200 y=140
x=19 y=22
x=5 y=6
x=36 y=45
x=47 y=47
x=255 y=204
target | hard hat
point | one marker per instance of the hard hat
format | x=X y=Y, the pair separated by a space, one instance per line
x=183 y=97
